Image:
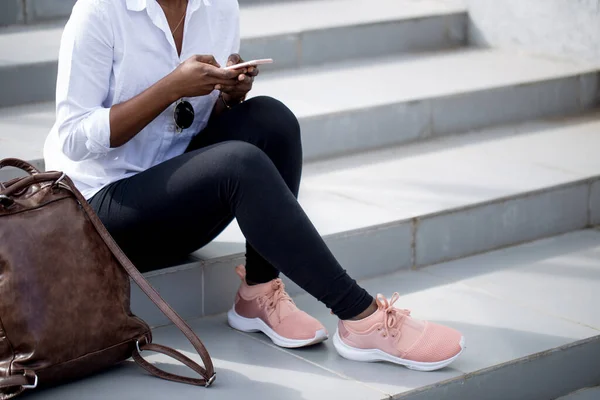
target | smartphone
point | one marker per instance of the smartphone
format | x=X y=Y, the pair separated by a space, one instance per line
x=252 y=63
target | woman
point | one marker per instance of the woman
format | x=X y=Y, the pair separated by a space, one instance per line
x=161 y=142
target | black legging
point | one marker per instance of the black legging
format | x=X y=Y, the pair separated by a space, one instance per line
x=246 y=164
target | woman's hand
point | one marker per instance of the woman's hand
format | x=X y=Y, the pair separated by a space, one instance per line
x=199 y=75
x=236 y=91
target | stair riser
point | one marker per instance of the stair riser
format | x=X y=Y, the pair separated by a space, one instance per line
x=208 y=287
x=31 y=11
x=37 y=82
x=27 y=83
x=545 y=375
x=595 y=203
x=359 y=130
x=359 y=41
x=11 y=12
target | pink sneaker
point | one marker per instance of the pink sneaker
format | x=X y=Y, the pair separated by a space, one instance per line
x=267 y=308
x=390 y=334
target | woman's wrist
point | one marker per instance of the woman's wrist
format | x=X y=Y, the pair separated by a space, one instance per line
x=171 y=88
x=230 y=101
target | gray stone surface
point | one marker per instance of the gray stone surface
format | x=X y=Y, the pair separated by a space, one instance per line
x=428 y=94
x=591 y=393
x=375 y=40
x=11 y=12
x=508 y=340
x=359 y=129
x=292 y=33
x=564 y=267
x=373 y=252
x=246 y=369
x=458 y=234
x=182 y=289
x=220 y=284
x=39 y=10
x=27 y=83
x=296 y=17
x=542 y=377
x=556 y=27
x=514 y=332
x=454 y=114
x=590 y=90
x=284 y=49
x=595 y=203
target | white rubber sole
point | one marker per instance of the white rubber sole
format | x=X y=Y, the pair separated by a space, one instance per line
x=374 y=355
x=240 y=323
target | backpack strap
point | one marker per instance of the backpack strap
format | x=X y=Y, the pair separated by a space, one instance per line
x=208 y=373
x=28 y=380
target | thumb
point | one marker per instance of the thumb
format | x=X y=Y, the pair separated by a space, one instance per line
x=208 y=59
x=234 y=59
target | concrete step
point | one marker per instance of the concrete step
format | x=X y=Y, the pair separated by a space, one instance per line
x=369 y=104
x=592 y=393
x=33 y=11
x=356 y=106
x=528 y=313
x=418 y=205
x=293 y=33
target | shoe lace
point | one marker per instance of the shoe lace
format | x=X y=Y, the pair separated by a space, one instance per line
x=392 y=317
x=275 y=297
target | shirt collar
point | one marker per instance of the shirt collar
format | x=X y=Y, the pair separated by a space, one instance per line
x=139 y=5
x=136 y=5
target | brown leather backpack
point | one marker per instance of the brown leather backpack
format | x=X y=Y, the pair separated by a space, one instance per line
x=64 y=291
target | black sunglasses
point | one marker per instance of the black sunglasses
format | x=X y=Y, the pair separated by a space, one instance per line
x=184 y=115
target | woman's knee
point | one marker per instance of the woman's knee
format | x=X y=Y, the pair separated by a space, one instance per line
x=241 y=159
x=275 y=119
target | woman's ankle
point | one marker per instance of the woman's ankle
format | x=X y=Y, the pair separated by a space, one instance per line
x=369 y=311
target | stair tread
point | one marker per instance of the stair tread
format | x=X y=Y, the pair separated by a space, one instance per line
x=405 y=182
x=40 y=43
x=338 y=88
x=343 y=87
x=294 y=17
x=500 y=324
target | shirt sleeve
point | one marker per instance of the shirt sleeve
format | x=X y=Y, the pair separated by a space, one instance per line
x=84 y=72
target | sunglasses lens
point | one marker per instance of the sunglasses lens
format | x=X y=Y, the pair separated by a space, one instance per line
x=184 y=115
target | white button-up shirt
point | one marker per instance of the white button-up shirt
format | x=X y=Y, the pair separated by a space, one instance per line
x=111 y=51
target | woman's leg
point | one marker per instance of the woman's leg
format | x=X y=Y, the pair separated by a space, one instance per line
x=272 y=127
x=183 y=203
x=174 y=207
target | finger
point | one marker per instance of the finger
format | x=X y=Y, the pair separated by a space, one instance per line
x=224 y=74
x=245 y=78
x=230 y=89
x=253 y=71
x=237 y=87
x=208 y=59
x=234 y=59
